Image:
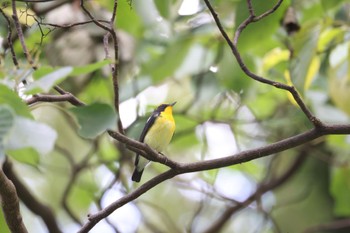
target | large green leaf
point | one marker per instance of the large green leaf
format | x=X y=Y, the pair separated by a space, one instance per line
x=48 y=77
x=10 y=98
x=230 y=74
x=305 y=48
x=95 y=119
x=339 y=77
x=27 y=156
x=258 y=36
x=128 y=19
x=163 y=7
x=340 y=189
x=83 y=193
x=27 y=133
x=167 y=64
x=3 y=225
x=79 y=70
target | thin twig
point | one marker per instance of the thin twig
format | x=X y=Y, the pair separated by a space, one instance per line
x=20 y=35
x=71 y=24
x=233 y=45
x=115 y=68
x=250 y=8
x=9 y=39
x=217 y=225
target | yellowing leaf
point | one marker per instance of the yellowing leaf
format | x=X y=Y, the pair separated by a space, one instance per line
x=312 y=71
x=339 y=80
x=339 y=89
x=25 y=15
x=329 y=37
x=289 y=82
x=274 y=57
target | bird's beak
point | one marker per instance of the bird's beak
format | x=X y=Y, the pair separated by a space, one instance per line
x=173 y=104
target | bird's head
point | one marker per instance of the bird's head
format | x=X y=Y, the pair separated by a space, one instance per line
x=166 y=108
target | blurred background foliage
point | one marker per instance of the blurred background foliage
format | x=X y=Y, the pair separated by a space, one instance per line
x=171 y=50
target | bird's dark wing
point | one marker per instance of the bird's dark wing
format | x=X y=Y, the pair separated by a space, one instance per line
x=148 y=125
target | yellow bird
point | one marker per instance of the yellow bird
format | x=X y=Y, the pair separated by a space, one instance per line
x=157 y=133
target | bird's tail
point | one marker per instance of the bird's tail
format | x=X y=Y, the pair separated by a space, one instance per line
x=136 y=176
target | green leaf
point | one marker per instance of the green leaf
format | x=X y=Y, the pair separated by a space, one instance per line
x=26 y=155
x=340 y=189
x=230 y=74
x=266 y=102
x=163 y=7
x=339 y=77
x=305 y=48
x=128 y=19
x=330 y=37
x=95 y=119
x=9 y=97
x=79 y=70
x=3 y=224
x=27 y=133
x=7 y=119
x=198 y=59
x=107 y=149
x=48 y=80
x=82 y=193
x=330 y=4
x=259 y=36
x=166 y=64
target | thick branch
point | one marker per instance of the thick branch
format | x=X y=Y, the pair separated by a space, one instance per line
x=30 y=201
x=10 y=205
x=217 y=225
x=95 y=218
x=331 y=226
x=181 y=168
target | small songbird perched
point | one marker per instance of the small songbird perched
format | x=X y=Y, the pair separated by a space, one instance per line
x=157 y=133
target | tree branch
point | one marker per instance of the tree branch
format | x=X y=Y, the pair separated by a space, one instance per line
x=181 y=168
x=10 y=205
x=331 y=226
x=55 y=98
x=264 y=187
x=30 y=201
x=115 y=68
x=9 y=39
x=233 y=45
x=20 y=35
x=320 y=129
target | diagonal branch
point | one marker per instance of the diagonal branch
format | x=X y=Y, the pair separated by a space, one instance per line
x=233 y=45
x=65 y=97
x=217 y=225
x=20 y=35
x=115 y=69
x=10 y=205
x=181 y=168
x=95 y=218
x=9 y=39
x=30 y=201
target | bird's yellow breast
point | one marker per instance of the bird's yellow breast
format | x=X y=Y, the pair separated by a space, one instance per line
x=159 y=135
